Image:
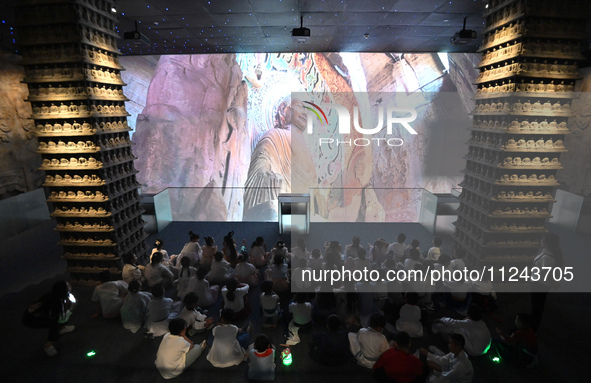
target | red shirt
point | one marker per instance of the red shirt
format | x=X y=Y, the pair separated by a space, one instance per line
x=400 y=366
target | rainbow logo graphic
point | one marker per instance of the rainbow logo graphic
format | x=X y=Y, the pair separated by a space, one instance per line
x=316 y=113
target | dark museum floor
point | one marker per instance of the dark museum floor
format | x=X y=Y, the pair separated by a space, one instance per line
x=32 y=263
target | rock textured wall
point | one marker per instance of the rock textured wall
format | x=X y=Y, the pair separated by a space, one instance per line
x=19 y=162
x=138 y=73
x=576 y=175
x=191 y=134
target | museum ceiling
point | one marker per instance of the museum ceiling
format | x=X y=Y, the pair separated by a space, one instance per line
x=210 y=26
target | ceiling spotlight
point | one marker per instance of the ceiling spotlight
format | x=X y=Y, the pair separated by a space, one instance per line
x=486 y=6
x=366 y=35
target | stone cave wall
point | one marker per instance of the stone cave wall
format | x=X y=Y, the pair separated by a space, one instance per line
x=138 y=74
x=191 y=134
x=19 y=162
x=575 y=177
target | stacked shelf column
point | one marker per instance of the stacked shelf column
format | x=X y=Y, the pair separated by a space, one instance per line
x=76 y=92
x=530 y=55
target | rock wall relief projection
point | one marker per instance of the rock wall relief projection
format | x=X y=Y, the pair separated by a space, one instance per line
x=208 y=118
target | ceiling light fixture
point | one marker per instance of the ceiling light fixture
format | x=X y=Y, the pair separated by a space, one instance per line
x=301 y=35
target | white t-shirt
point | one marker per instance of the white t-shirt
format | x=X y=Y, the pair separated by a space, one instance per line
x=171 y=356
x=225 y=350
x=156 y=273
x=134 y=310
x=399 y=249
x=244 y=270
x=238 y=303
x=131 y=273
x=193 y=318
x=109 y=295
x=269 y=304
x=434 y=253
x=302 y=312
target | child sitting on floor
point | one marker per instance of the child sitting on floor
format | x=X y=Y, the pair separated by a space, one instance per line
x=302 y=316
x=176 y=351
x=269 y=305
x=221 y=270
x=200 y=286
x=135 y=307
x=160 y=309
x=197 y=322
x=262 y=359
x=410 y=316
x=246 y=272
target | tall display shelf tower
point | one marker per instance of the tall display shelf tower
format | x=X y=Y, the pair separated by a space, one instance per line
x=76 y=92
x=530 y=55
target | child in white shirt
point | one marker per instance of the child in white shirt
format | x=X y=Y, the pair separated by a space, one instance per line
x=109 y=295
x=160 y=310
x=208 y=295
x=221 y=270
x=262 y=359
x=176 y=351
x=302 y=316
x=435 y=251
x=185 y=274
x=246 y=272
x=197 y=322
x=135 y=307
x=269 y=305
x=410 y=316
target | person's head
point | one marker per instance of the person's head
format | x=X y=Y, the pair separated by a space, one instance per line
x=280 y=244
x=460 y=253
x=414 y=243
x=201 y=273
x=185 y=262
x=401 y=238
x=261 y=343
x=302 y=263
x=278 y=259
x=241 y=258
x=456 y=343
x=218 y=256
x=267 y=287
x=177 y=326
x=522 y=321
x=60 y=289
x=361 y=253
x=414 y=254
x=474 y=312
x=130 y=258
x=193 y=237
x=134 y=286
x=227 y=316
x=437 y=242
x=158 y=290
x=301 y=242
x=333 y=322
x=300 y=298
x=105 y=276
x=158 y=244
x=402 y=341
x=551 y=241
x=390 y=264
x=231 y=286
x=316 y=253
x=411 y=298
x=229 y=238
x=444 y=260
x=209 y=241
x=377 y=322
x=355 y=241
x=191 y=300
x=259 y=241
x=157 y=258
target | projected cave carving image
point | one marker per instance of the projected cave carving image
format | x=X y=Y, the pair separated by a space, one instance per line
x=205 y=116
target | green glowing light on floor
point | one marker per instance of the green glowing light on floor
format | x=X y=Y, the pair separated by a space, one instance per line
x=487 y=347
x=496 y=359
x=91 y=353
x=286 y=357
